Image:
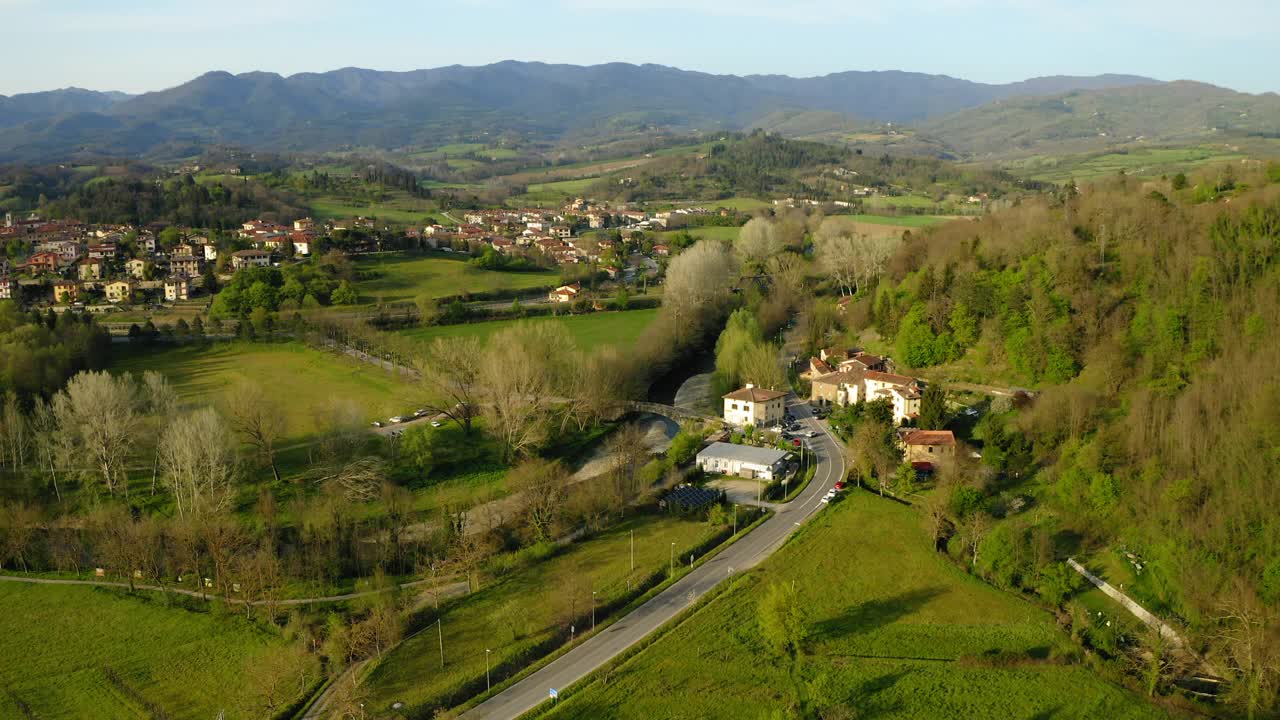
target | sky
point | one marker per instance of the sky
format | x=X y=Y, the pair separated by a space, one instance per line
x=141 y=45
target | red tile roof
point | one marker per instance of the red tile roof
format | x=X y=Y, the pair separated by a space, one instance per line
x=754 y=395
x=929 y=437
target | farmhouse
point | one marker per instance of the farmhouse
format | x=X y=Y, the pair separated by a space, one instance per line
x=565 y=293
x=89 y=269
x=119 y=291
x=754 y=406
x=926 y=449
x=743 y=461
x=859 y=379
x=177 y=287
x=65 y=291
x=250 y=258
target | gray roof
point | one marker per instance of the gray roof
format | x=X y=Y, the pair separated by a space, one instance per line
x=742 y=453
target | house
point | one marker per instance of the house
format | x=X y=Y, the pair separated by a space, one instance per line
x=754 y=406
x=42 y=262
x=561 y=231
x=743 y=461
x=184 y=265
x=250 y=258
x=137 y=268
x=177 y=287
x=9 y=289
x=853 y=382
x=661 y=250
x=210 y=252
x=119 y=291
x=89 y=269
x=927 y=449
x=836 y=388
x=904 y=392
x=65 y=291
x=304 y=224
x=565 y=293
x=107 y=250
x=301 y=245
x=862 y=361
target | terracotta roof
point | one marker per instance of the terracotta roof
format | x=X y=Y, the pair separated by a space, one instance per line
x=889 y=378
x=844 y=377
x=817 y=365
x=929 y=437
x=754 y=395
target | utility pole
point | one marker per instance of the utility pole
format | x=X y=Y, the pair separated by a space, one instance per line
x=487 y=686
x=633 y=551
x=440 y=636
x=673 y=559
x=735 y=518
x=593 y=611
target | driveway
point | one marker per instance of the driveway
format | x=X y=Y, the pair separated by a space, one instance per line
x=746 y=553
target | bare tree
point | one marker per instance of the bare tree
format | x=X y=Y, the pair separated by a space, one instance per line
x=14 y=433
x=272 y=680
x=599 y=382
x=99 y=413
x=259 y=422
x=697 y=279
x=540 y=485
x=198 y=462
x=973 y=529
x=50 y=443
x=518 y=374
x=161 y=401
x=450 y=378
x=342 y=430
x=359 y=480
x=17 y=528
x=849 y=257
x=757 y=242
x=1251 y=644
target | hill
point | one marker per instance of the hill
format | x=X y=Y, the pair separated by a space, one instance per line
x=357 y=108
x=1087 y=120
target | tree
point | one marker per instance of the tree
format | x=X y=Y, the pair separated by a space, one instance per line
x=698 y=279
x=757 y=242
x=933 y=408
x=782 y=619
x=1250 y=641
x=849 y=257
x=518 y=375
x=198 y=463
x=345 y=294
x=359 y=480
x=541 y=486
x=449 y=378
x=428 y=309
x=274 y=678
x=973 y=529
x=100 y=414
x=259 y=421
x=17 y=529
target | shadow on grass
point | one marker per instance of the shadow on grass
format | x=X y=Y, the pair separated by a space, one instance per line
x=873 y=614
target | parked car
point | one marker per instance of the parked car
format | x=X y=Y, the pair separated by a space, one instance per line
x=419 y=413
x=395 y=419
x=435 y=423
x=377 y=423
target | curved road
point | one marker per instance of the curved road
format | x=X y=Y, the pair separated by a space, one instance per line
x=747 y=552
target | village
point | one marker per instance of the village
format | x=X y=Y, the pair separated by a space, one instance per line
x=65 y=263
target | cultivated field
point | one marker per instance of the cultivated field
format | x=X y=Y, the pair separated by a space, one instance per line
x=299 y=379
x=588 y=331
x=1137 y=161
x=895 y=631
x=528 y=608
x=62 y=645
x=402 y=277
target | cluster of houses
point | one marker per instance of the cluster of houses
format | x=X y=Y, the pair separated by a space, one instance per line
x=838 y=377
x=67 y=261
x=552 y=234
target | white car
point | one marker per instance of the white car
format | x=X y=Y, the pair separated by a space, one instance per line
x=395 y=419
x=435 y=423
x=419 y=413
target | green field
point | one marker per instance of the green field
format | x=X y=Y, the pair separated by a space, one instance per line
x=398 y=210
x=301 y=380
x=715 y=232
x=402 y=277
x=894 y=631
x=588 y=331
x=908 y=221
x=58 y=641
x=1139 y=161
x=527 y=608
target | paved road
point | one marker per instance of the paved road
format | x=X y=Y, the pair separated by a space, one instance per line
x=742 y=555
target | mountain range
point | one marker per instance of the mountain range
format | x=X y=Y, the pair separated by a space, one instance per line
x=357 y=108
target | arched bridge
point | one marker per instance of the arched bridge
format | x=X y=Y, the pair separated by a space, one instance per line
x=667 y=411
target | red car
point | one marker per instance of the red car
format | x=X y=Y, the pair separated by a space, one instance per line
x=840 y=485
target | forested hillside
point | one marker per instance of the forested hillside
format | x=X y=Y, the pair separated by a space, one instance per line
x=1148 y=314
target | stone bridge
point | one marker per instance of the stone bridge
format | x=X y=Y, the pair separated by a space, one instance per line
x=667 y=411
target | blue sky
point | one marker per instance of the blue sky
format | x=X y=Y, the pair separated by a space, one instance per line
x=139 y=45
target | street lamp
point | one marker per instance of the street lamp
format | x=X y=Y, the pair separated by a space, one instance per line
x=593 y=611
x=487 y=686
x=673 y=558
x=735 y=518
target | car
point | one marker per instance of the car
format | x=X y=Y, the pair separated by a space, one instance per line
x=395 y=419
x=419 y=413
x=826 y=498
x=435 y=423
x=377 y=423
x=840 y=485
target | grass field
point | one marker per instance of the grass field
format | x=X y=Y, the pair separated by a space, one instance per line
x=895 y=631
x=58 y=641
x=903 y=221
x=525 y=609
x=1138 y=161
x=403 y=277
x=715 y=233
x=588 y=331
x=398 y=210
x=301 y=380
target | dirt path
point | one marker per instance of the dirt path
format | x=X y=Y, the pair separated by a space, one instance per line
x=450 y=590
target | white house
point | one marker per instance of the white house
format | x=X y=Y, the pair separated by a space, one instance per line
x=565 y=293
x=754 y=406
x=743 y=461
x=177 y=287
x=248 y=258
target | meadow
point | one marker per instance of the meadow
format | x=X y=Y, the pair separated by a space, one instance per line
x=894 y=631
x=588 y=331
x=299 y=379
x=526 y=610
x=62 y=644
x=401 y=277
x=1137 y=161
